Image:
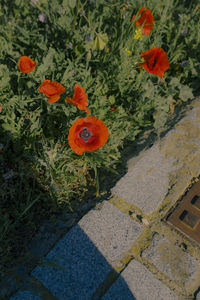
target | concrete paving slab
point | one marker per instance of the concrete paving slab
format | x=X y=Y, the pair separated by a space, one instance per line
x=87 y=252
x=175 y=157
x=146 y=183
x=111 y=231
x=138 y=283
x=171 y=260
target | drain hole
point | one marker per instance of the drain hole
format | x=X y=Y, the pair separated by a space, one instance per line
x=196 y=201
x=188 y=218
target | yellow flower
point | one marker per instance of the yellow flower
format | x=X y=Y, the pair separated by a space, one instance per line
x=128 y=51
x=138 y=34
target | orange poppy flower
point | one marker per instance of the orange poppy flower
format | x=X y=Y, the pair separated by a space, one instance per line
x=87 y=134
x=51 y=89
x=146 y=19
x=155 y=61
x=79 y=98
x=26 y=64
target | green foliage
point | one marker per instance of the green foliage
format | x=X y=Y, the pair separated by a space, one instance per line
x=5 y=77
x=100 y=41
x=186 y=93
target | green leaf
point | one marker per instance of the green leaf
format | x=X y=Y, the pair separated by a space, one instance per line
x=174 y=81
x=65 y=5
x=100 y=41
x=186 y=93
x=54 y=5
x=149 y=89
x=71 y=3
x=64 y=21
x=79 y=49
x=68 y=75
x=47 y=63
x=111 y=99
x=88 y=45
x=30 y=84
x=4 y=82
x=160 y=118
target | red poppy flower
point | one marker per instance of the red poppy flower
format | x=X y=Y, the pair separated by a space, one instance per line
x=26 y=64
x=79 y=98
x=87 y=134
x=155 y=61
x=52 y=89
x=146 y=19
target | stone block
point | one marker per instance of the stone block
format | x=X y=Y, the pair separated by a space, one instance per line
x=171 y=260
x=147 y=181
x=138 y=283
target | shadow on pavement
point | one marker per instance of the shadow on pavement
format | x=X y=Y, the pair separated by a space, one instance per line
x=85 y=268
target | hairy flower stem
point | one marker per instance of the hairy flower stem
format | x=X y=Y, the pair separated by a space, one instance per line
x=79 y=8
x=18 y=86
x=78 y=4
x=90 y=24
x=97 y=180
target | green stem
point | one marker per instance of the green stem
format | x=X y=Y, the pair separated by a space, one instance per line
x=97 y=180
x=18 y=85
x=90 y=24
x=78 y=9
x=78 y=4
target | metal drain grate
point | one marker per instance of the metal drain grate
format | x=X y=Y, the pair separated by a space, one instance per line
x=186 y=216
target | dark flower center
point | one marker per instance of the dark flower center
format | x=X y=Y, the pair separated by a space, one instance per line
x=85 y=134
x=153 y=61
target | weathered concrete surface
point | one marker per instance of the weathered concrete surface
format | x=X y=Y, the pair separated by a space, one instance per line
x=171 y=260
x=142 y=285
x=111 y=231
x=146 y=183
x=88 y=252
x=174 y=159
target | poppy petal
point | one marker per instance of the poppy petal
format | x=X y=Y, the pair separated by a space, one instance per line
x=80 y=95
x=69 y=100
x=54 y=98
x=79 y=98
x=87 y=110
x=146 y=20
x=51 y=89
